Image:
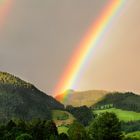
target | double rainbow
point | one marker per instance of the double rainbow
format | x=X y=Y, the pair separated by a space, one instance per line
x=93 y=38
x=5 y=6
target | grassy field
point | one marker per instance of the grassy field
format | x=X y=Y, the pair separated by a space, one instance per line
x=62 y=118
x=133 y=135
x=62 y=129
x=122 y=115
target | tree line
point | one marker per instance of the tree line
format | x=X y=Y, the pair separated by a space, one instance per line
x=106 y=126
x=126 y=101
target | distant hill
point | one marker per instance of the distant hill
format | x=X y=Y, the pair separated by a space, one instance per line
x=123 y=115
x=19 y=99
x=80 y=98
x=126 y=101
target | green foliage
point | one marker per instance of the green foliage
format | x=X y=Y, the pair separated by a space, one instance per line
x=132 y=136
x=126 y=101
x=60 y=115
x=6 y=78
x=130 y=126
x=50 y=129
x=105 y=127
x=77 y=132
x=80 y=112
x=63 y=136
x=53 y=137
x=63 y=129
x=24 y=137
x=123 y=115
x=22 y=100
x=36 y=129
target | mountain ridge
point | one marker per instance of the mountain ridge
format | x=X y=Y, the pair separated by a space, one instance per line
x=19 y=99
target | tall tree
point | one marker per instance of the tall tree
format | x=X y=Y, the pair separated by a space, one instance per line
x=106 y=126
x=77 y=132
x=50 y=129
x=24 y=137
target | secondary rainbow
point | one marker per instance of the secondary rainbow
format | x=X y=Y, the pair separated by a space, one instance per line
x=93 y=38
x=5 y=6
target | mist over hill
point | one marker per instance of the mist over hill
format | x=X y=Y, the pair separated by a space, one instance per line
x=19 y=99
x=91 y=98
x=80 y=98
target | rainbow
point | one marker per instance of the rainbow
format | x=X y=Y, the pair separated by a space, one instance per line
x=93 y=38
x=5 y=6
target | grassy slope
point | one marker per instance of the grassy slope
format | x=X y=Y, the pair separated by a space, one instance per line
x=122 y=115
x=125 y=101
x=79 y=98
x=133 y=134
x=63 y=129
x=58 y=114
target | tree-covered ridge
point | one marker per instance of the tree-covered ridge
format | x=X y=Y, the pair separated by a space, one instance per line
x=22 y=100
x=83 y=114
x=126 y=101
x=6 y=78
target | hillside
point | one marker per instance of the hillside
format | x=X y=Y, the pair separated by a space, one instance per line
x=19 y=99
x=62 y=118
x=126 y=101
x=123 y=115
x=80 y=98
x=6 y=78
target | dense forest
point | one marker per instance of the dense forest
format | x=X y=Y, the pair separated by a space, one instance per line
x=126 y=101
x=106 y=126
x=19 y=99
x=83 y=114
x=38 y=129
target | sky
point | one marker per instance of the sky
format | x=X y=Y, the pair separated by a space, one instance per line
x=38 y=37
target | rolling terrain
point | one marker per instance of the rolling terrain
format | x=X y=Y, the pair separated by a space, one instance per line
x=121 y=114
x=125 y=101
x=19 y=99
x=22 y=100
x=62 y=118
x=80 y=98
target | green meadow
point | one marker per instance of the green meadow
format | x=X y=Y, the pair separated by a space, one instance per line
x=122 y=114
x=62 y=129
x=62 y=118
x=134 y=135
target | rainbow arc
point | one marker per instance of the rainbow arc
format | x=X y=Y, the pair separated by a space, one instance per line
x=86 y=47
x=5 y=6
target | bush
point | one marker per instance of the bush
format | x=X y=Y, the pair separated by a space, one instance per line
x=77 y=132
x=24 y=137
x=105 y=127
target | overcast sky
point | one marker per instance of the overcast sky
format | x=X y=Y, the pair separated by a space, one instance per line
x=39 y=36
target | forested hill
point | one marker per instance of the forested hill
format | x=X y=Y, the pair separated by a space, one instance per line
x=19 y=99
x=126 y=101
x=6 y=78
